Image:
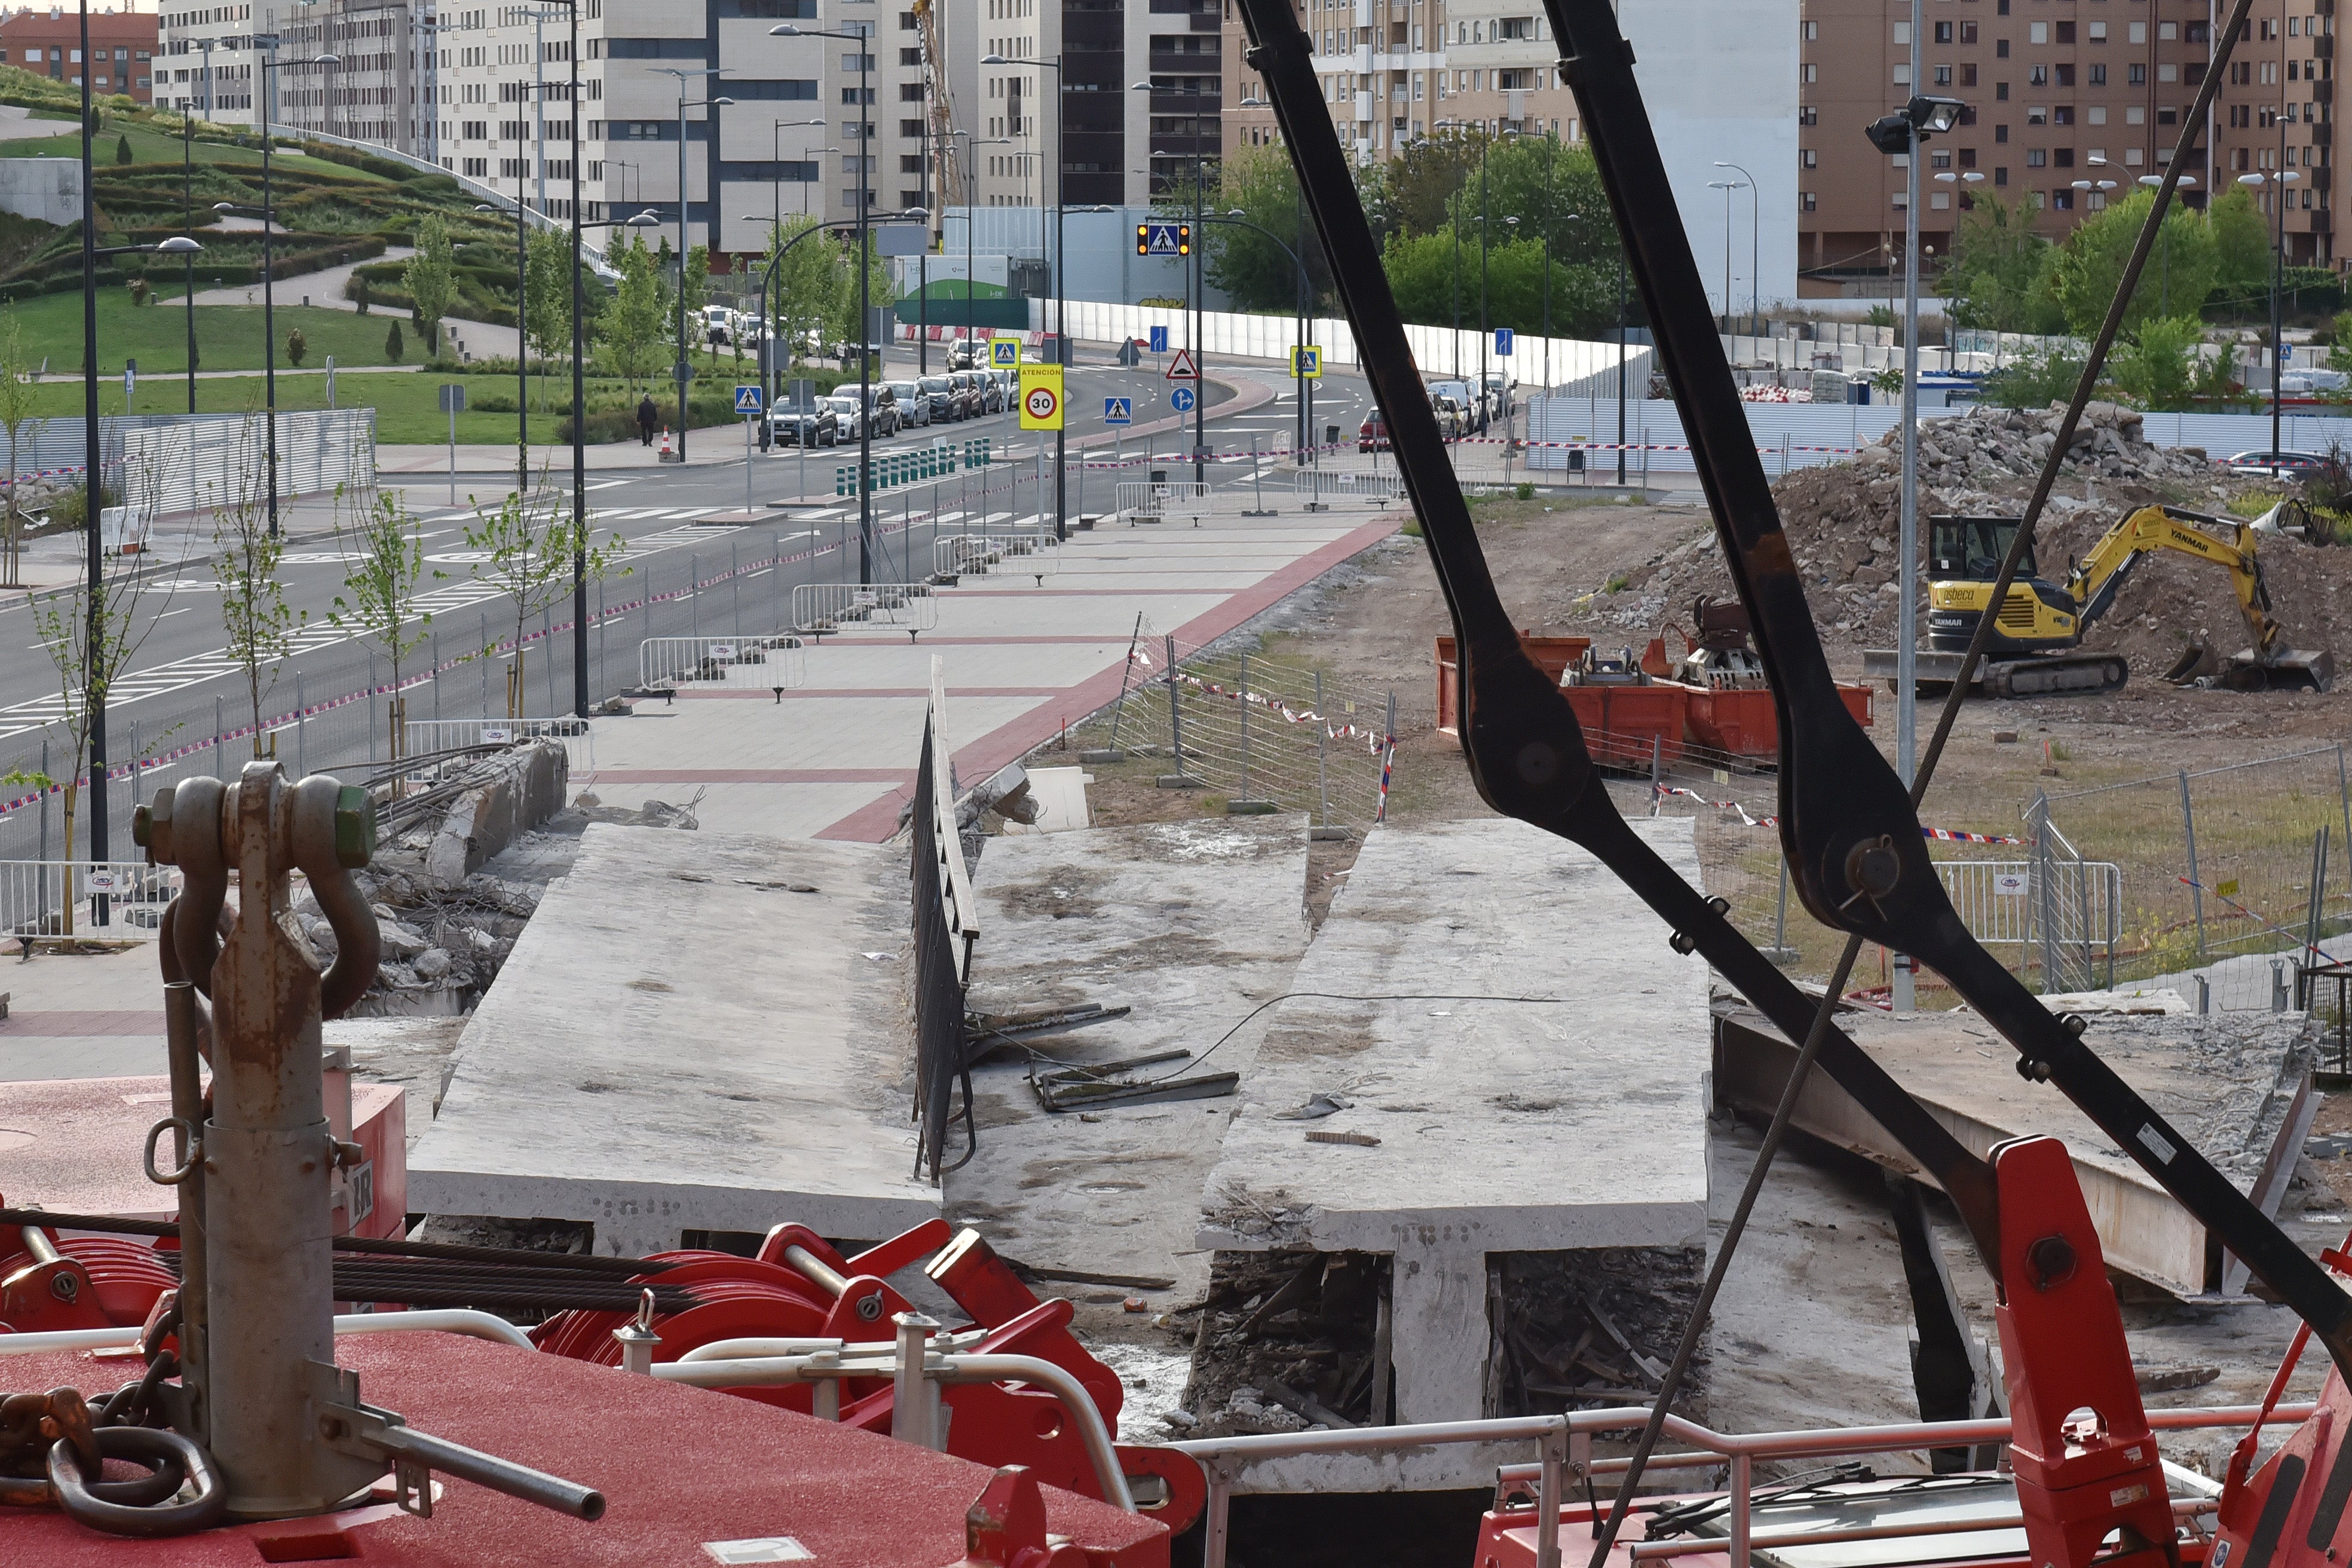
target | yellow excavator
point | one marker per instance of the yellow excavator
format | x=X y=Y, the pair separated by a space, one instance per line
x=2037 y=644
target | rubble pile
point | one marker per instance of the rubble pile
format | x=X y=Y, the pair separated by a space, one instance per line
x=1986 y=446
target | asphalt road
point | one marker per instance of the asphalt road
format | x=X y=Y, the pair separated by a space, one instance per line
x=677 y=577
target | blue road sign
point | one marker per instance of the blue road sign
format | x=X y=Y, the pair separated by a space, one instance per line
x=1163 y=240
x=1182 y=399
x=1118 y=411
x=1503 y=336
x=747 y=400
x=1160 y=340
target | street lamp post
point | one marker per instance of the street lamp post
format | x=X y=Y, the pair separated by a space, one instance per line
x=970 y=142
x=1198 y=283
x=267 y=213
x=865 y=43
x=2279 y=182
x=683 y=372
x=188 y=210
x=1726 y=187
x=775 y=167
x=1060 y=323
x=522 y=339
x=1904 y=132
x=1235 y=218
x=1755 y=243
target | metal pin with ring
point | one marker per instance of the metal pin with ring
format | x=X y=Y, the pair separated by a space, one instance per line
x=187 y=1168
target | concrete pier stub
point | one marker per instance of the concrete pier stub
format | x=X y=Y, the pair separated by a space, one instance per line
x=1535 y=1077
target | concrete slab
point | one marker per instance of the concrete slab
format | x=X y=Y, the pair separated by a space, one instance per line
x=679 y=1040
x=1192 y=924
x=2239 y=1085
x=1506 y=1018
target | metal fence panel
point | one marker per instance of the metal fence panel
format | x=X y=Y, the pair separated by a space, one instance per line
x=63 y=898
x=822 y=607
x=426 y=737
x=667 y=662
x=1322 y=486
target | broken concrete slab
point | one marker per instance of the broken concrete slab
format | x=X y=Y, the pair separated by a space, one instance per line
x=684 y=1039
x=1530 y=1056
x=504 y=796
x=2237 y=1084
x=1190 y=924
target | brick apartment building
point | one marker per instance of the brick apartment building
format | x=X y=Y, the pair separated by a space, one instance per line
x=46 y=41
x=2071 y=101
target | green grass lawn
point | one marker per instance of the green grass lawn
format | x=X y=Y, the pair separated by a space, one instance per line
x=228 y=337
x=157 y=147
x=408 y=406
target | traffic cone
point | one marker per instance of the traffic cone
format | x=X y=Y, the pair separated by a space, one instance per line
x=665 y=450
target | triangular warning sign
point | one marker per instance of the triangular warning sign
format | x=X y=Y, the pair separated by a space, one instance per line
x=1181 y=368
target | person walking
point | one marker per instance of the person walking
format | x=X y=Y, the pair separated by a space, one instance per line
x=648 y=417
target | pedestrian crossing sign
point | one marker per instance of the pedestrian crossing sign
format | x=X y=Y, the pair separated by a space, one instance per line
x=747 y=400
x=1004 y=354
x=1307 y=361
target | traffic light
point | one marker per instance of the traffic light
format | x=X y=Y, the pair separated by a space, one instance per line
x=1183 y=239
x=1142 y=239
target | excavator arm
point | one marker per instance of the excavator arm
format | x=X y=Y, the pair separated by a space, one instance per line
x=2100 y=574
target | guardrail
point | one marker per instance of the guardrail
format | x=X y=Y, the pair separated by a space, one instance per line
x=1321 y=487
x=1564 y=1446
x=123 y=900
x=946 y=926
x=2001 y=901
x=421 y=737
x=822 y=607
x=1163 y=500
x=669 y=662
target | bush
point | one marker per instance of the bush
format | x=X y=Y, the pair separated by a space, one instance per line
x=123 y=150
x=604 y=425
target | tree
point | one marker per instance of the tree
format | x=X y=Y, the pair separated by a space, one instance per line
x=122 y=152
x=2089 y=268
x=2158 y=370
x=259 y=624
x=2242 y=245
x=16 y=412
x=807 y=283
x=1258 y=273
x=694 y=289
x=430 y=278
x=528 y=543
x=1995 y=271
x=379 y=599
x=846 y=327
x=297 y=345
x=547 y=297
x=90 y=651
x=630 y=329
x=393 y=348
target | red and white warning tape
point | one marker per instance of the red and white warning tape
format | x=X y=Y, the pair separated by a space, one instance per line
x=1947 y=835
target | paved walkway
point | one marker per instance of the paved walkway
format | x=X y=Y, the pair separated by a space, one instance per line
x=835 y=758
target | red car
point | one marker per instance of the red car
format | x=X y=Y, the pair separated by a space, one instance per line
x=1372 y=435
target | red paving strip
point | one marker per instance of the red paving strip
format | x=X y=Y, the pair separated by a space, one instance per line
x=838 y=691
x=1008 y=742
x=747 y=775
x=63 y=1022
x=1108 y=638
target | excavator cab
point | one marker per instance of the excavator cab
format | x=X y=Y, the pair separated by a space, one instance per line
x=1964 y=555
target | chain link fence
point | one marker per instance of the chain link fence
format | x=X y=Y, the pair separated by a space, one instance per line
x=1268 y=734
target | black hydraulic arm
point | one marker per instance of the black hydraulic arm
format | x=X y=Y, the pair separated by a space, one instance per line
x=1525 y=752
x=1847 y=823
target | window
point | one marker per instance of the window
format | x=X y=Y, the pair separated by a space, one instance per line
x=2065 y=32
x=2037 y=114
x=2062 y=198
x=910 y=92
x=2065 y=76
x=2037 y=158
x=911 y=162
x=1902 y=203
x=1808 y=115
x=1968 y=32
x=2000 y=134
x=2037 y=76
x=2098 y=31
x=2096 y=115
x=851 y=95
x=1809 y=159
x=1940 y=201
x=1999 y=176
x=1943 y=31
x=2131 y=158
x=2098 y=76
x=2138 y=33
x=1516 y=28
x=910 y=56
x=1813 y=72
x=1940 y=159
x=2063 y=157
x=653 y=48
x=1901 y=32
x=2135 y=114
x=1967 y=76
x=2000 y=93
x=1903 y=74
x=2135 y=75
x=1943 y=76
x=1812 y=32
x=1812 y=203
x=2037 y=32
x=2001 y=49
x=1968 y=157
x=2063 y=115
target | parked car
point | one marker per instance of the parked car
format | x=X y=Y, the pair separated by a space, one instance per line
x=2274 y=464
x=939 y=398
x=882 y=408
x=972 y=393
x=914 y=407
x=1453 y=419
x=817 y=426
x=1372 y=435
x=965 y=353
x=1473 y=407
x=997 y=390
x=717 y=325
x=1501 y=386
x=847 y=425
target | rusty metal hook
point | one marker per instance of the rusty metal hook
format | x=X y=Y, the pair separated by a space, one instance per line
x=187 y=1167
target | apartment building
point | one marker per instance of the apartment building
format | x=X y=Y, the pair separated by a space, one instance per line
x=1720 y=82
x=46 y=41
x=2276 y=115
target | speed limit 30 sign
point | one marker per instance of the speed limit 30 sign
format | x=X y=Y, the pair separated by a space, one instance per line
x=1041 y=398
